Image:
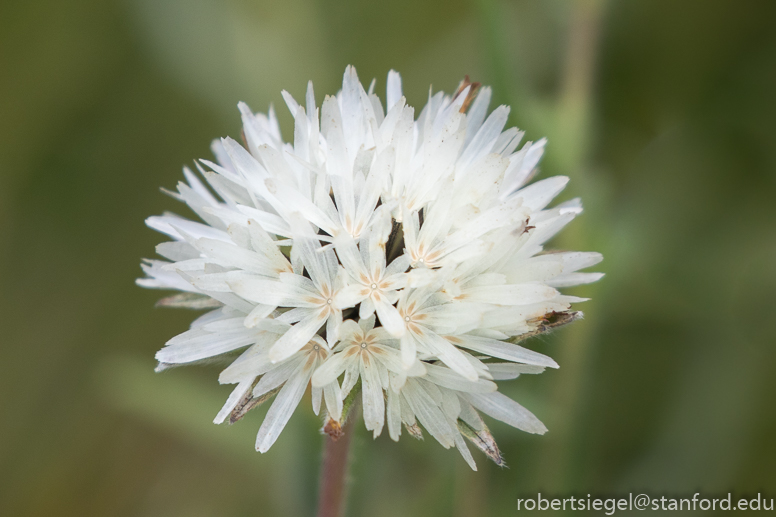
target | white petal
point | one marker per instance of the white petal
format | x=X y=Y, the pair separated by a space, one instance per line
x=447 y=353
x=367 y=324
x=170 y=224
x=351 y=331
x=297 y=336
x=269 y=292
x=503 y=350
x=352 y=374
x=350 y=257
x=333 y=324
x=573 y=279
x=372 y=396
x=503 y=408
x=293 y=106
x=332 y=368
x=333 y=397
x=293 y=316
x=538 y=195
x=428 y=413
x=516 y=294
x=350 y=296
x=449 y=379
x=276 y=376
x=408 y=350
x=393 y=414
x=366 y=309
x=460 y=444
x=282 y=408
x=398 y=265
x=257 y=314
x=252 y=362
x=391 y=359
x=177 y=250
x=393 y=89
x=233 y=256
x=317 y=396
x=204 y=345
x=477 y=112
x=509 y=371
x=265 y=246
x=322 y=265
x=486 y=136
x=389 y=318
x=234 y=398
x=160 y=278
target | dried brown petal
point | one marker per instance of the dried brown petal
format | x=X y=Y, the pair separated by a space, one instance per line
x=484 y=441
x=546 y=323
x=469 y=96
x=414 y=431
x=249 y=402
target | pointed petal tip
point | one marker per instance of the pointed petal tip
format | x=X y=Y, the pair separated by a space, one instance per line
x=317 y=381
x=472 y=376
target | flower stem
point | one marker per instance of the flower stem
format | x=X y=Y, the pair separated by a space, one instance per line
x=334 y=470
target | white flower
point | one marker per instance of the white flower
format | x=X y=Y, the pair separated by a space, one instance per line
x=446 y=405
x=313 y=300
x=410 y=247
x=291 y=377
x=427 y=313
x=372 y=284
x=370 y=354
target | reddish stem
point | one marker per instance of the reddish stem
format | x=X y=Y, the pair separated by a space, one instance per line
x=334 y=470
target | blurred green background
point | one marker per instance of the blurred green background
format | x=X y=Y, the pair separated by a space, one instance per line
x=662 y=112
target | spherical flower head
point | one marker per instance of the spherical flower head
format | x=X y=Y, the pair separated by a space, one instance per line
x=401 y=254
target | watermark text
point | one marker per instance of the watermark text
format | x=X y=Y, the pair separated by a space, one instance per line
x=610 y=505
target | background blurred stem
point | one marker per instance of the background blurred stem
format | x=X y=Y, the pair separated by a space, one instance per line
x=334 y=470
x=509 y=86
x=567 y=122
x=575 y=101
x=573 y=132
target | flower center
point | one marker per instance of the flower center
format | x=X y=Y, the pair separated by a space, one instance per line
x=328 y=301
x=373 y=286
x=316 y=347
x=363 y=345
x=407 y=319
